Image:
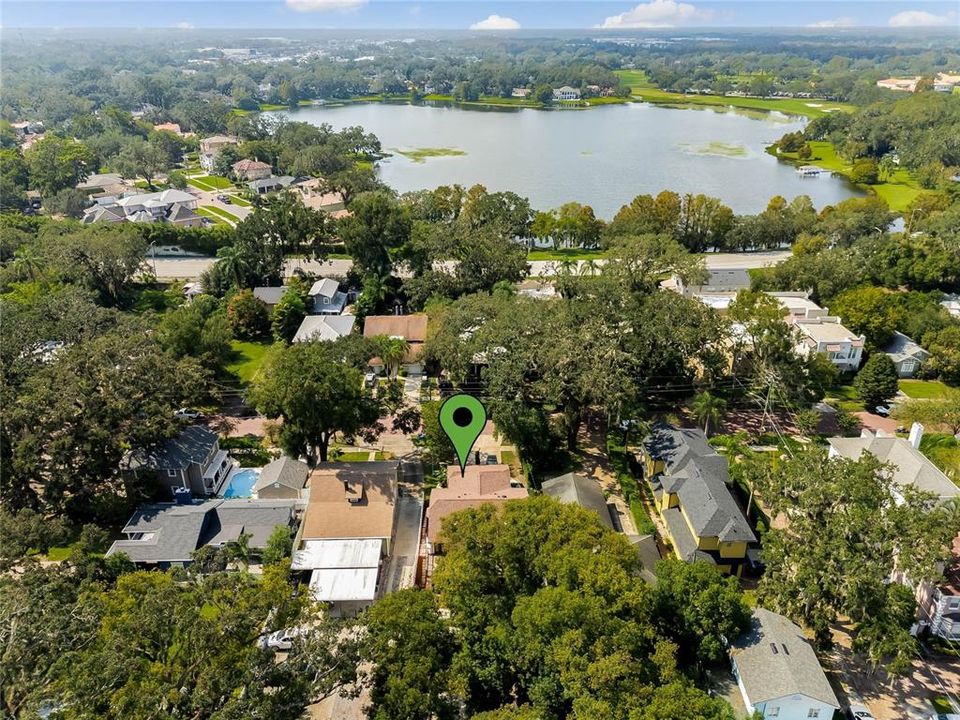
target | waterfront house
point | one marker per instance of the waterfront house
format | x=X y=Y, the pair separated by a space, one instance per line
x=778 y=673
x=690 y=483
x=566 y=93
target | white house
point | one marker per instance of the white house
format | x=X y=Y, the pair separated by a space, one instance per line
x=209 y=147
x=566 y=93
x=324 y=328
x=778 y=673
x=824 y=333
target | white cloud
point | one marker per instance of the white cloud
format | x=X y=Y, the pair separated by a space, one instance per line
x=658 y=13
x=839 y=22
x=921 y=18
x=496 y=22
x=324 y=5
x=184 y=25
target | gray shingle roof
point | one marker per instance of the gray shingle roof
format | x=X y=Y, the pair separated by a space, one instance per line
x=172 y=532
x=192 y=446
x=579 y=490
x=699 y=476
x=269 y=295
x=286 y=471
x=910 y=466
x=324 y=328
x=902 y=347
x=775 y=660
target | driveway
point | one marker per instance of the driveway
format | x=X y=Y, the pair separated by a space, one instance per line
x=399 y=571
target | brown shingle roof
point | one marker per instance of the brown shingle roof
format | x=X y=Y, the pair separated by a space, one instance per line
x=351 y=500
x=411 y=327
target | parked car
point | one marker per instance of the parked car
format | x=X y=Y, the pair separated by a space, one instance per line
x=370 y=380
x=187 y=414
x=281 y=639
x=859 y=712
x=882 y=410
x=225 y=199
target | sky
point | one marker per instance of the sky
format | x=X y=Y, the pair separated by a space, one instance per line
x=478 y=15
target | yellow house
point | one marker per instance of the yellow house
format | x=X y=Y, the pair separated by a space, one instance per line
x=690 y=484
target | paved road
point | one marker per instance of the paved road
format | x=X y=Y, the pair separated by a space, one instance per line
x=210 y=199
x=169 y=269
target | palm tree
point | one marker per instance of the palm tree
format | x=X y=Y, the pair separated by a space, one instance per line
x=589 y=267
x=26 y=262
x=392 y=352
x=708 y=408
x=234 y=264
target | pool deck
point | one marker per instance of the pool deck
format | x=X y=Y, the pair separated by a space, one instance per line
x=231 y=476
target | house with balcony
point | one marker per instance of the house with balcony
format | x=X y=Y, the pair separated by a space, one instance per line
x=566 y=93
x=825 y=333
x=192 y=461
x=691 y=485
x=327 y=298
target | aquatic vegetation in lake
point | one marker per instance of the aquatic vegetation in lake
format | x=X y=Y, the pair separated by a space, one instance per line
x=419 y=155
x=715 y=147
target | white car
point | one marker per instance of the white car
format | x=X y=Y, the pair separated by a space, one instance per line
x=882 y=410
x=859 y=712
x=281 y=639
x=187 y=414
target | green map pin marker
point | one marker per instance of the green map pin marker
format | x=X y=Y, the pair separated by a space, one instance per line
x=462 y=418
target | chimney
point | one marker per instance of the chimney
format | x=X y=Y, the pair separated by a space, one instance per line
x=916 y=435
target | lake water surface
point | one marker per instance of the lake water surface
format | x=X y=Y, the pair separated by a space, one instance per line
x=602 y=157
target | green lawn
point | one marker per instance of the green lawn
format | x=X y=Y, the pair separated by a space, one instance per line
x=944 y=451
x=217 y=220
x=247 y=358
x=899 y=190
x=926 y=389
x=352 y=457
x=223 y=214
x=642 y=88
x=566 y=254
x=237 y=200
x=59 y=554
x=847 y=398
x=210 y=183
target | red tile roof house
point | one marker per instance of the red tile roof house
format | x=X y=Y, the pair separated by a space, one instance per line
x=251 y=170
x=480 y=485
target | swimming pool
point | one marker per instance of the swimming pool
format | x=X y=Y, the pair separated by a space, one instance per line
x=241 y=483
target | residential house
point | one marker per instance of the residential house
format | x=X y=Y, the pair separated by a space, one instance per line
x=270 y=296
x=951 y=303
x=324 y=328
x=648 y=550
x=174 y=206
x=938 y=602
x=582 y=490
x=719 y=280
x=166 y=535
x=907 y=356
x=270 y=184
x=169 y=127
x=412 y=328
x=521 y=92
x=282 y=479
x=193 y=460
x=820 y=332
x=327 y=297
x=566 y=93
x=314 y=194
x=347 y=531
x=478 y=485
x=690 y=483
x=778 y=673
x=27 y=127
x=251 y=170
x=901 y=84
x=209 y=147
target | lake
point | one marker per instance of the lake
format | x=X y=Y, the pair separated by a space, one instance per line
x=602 y=157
